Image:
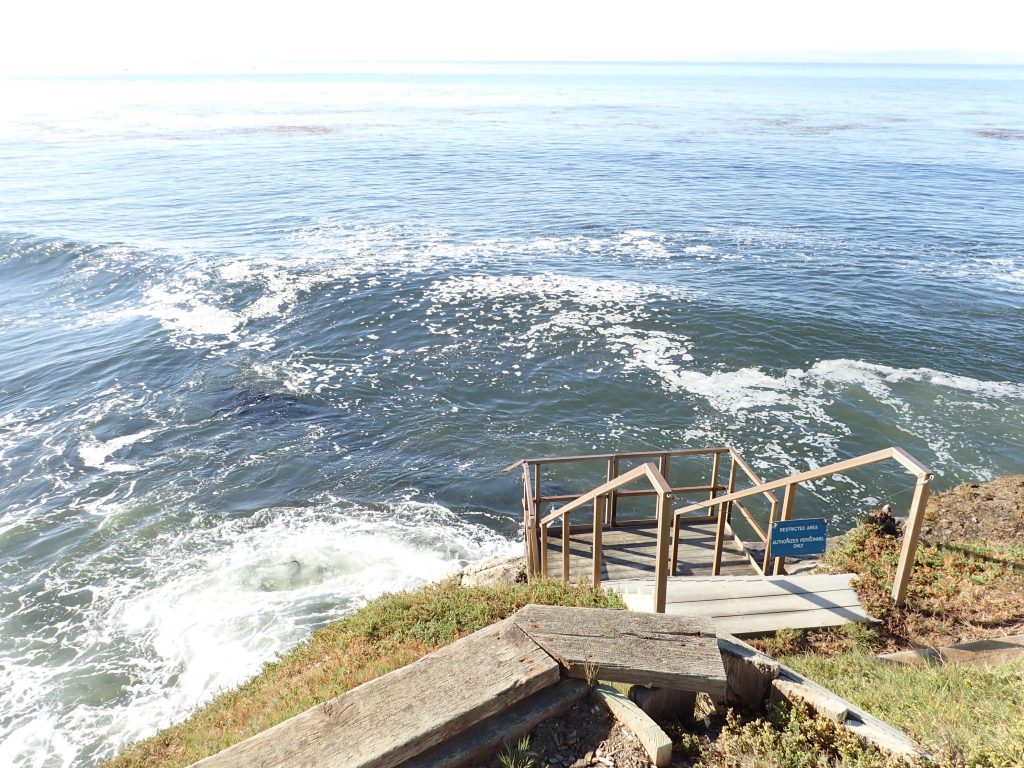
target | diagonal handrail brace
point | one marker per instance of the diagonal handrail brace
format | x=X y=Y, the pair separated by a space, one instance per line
x=599 y=496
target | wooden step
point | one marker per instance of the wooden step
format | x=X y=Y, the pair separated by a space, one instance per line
x=398 y=716
x=619 y=646
x=980 y=653
x=475 y=744
x=684 y=588
x=746 y=605
x=462 y=699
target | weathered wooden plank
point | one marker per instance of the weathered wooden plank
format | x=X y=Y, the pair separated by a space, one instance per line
x=682 y=589
x=655 y=741
x=745 y=606
x=771 y=622
x=384 y=722
x=749 y=679
x=750 y=622
x=978 y=653
x=830 y=706
x=475 y=744
x=648 y=649
x=858 y=721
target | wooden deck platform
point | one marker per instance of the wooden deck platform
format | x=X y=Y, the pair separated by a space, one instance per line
x=747 y=605
x=629 y=552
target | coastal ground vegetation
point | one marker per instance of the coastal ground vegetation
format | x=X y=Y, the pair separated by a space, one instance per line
x=968 y=584
x=385 y=634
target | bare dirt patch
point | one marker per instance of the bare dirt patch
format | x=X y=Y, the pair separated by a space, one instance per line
x=991 y=513
x=587 y=735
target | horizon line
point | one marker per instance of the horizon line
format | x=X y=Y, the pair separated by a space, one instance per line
x=324 y=66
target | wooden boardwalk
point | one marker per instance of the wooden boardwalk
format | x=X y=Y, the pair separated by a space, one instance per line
x=747 y=605
x=629 y=552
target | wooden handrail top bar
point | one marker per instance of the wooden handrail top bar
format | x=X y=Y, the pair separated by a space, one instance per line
x=648 y=470
x=754 y=477
x=913 y=465
x=637 y=492
x=815 y=474
x=622 y=455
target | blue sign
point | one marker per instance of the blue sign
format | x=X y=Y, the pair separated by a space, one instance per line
x=798 y=538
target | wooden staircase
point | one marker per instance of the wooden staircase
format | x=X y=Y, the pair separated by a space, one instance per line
x=661 y=563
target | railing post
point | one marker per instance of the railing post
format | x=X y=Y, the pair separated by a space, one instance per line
x=544 y=551
x=528 y=549
x=716 y=562
x=766 y=564
x=661 y=563
x=610 y=475
x=723 y=514
x=599 y=505
x=732 y=486
x=714 y=477
x=536 y=489
x=911 y=532
x=537 y=494
x=529 y=526
x=787 y=511
x=675 y=544
x=566 y=538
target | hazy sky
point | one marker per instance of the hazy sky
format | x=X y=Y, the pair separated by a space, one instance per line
x=189 y=35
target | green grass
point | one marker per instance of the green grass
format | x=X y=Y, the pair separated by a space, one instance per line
x=516 y=755
x=787 y=737
x=386 y=634
x=959 y=591
x=964 y=715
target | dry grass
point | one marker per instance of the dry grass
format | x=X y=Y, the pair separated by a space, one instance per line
x=958 y=592
x=386 y=634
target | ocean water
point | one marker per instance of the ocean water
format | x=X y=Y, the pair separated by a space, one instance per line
x=266 y=341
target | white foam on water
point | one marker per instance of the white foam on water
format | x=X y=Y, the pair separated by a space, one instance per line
x=197 y=300
x=207 y=608
x=184 y=313
x=877 y=378
x=94 y=453
x=551 y=291
x=792 y=416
